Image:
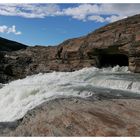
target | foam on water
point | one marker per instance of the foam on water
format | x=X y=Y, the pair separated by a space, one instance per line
x=19 y=96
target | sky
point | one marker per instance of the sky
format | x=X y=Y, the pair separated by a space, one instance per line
x=51 y=24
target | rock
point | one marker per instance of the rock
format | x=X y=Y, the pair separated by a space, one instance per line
x=65 y=117
x=117 y=43
x=7 y=127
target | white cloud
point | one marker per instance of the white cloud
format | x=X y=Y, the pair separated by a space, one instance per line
x=107 y=19
x=114 y=18
x=8 y=30
x=3 y=29
x=83 y=12
x=80 y=12
x=102 y=12
x=96 y=18
x=29 y=10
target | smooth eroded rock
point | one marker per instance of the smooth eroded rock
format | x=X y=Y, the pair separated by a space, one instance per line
x=80 y=117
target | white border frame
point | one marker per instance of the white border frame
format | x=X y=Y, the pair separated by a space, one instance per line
x=70 y=1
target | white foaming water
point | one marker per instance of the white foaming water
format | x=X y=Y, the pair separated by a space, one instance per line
x=19 y=96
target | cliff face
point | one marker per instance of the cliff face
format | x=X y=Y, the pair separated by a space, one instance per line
x=115 y=44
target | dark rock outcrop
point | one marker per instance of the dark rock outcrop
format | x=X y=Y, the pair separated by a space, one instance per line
x=116 y=43
x=78 y=117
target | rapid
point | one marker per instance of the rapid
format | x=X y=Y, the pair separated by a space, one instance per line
x=19 y=96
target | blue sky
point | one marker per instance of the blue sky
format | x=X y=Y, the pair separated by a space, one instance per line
x=51 y=24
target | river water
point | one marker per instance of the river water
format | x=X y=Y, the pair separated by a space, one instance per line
x=17 y=97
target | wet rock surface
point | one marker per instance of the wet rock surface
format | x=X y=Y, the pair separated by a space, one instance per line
x=78 y=117
x=118 y=42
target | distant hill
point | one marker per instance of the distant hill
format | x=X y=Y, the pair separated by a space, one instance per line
x=8 y=45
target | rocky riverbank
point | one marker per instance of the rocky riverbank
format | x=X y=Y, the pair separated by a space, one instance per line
x=78 y=117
